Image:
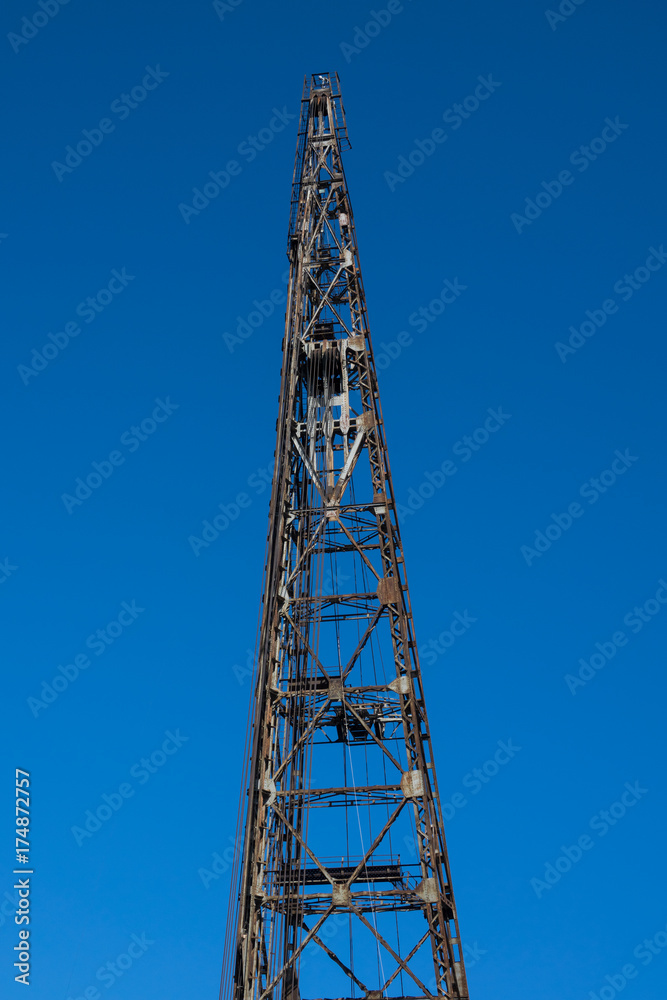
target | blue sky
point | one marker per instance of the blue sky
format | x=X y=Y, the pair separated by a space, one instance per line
x=152 y=380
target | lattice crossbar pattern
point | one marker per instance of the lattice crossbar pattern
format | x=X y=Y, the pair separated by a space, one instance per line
x=344 y=887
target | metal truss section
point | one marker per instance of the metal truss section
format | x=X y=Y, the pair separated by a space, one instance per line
x=344 y=887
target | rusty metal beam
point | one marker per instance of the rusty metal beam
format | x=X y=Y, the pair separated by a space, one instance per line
x=338 y=717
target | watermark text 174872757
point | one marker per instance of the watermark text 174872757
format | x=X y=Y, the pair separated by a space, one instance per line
x=22 y=817
x=22 y=917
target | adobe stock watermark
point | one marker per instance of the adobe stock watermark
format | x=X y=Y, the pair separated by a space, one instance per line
x=601 y=823
x=465 y=448
x=635 y=621
x=7 y=569
x=472 y=954
x=596 y=318
x=132 y=439
x=591 y=490
x=249 y=149
x=454 y=116
x=142 y=771
x=566 y=9
x=122 y=107
x=327 y=932
x=220 y=864
x=111 y=972
x=581 y=158
x=31 y=26
x=245 y=670
x=97 y=642
x=88 y=310
x=458 y=627
x=378 y=20
x=475 y=781
x=223 y=7
x=419 y=320
x=259 y=482
x=644 y=952
x=263 y=309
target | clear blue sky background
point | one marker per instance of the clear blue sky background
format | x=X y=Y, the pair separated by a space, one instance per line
x=173 y=667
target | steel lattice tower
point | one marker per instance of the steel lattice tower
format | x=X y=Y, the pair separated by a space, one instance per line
x=344 y=884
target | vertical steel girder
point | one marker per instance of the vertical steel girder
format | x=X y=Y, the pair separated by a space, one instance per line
x=344 y=880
